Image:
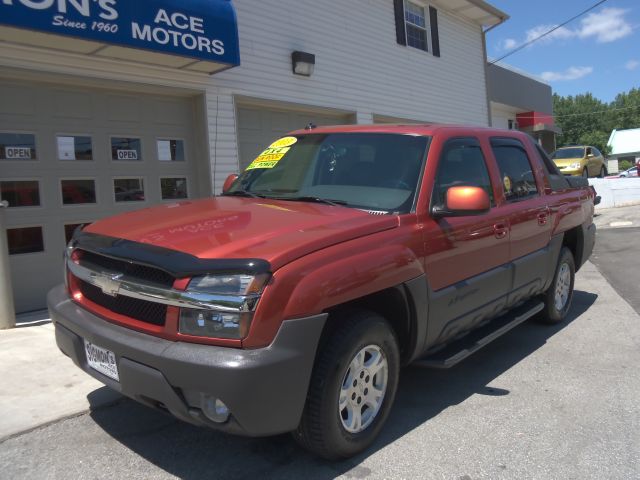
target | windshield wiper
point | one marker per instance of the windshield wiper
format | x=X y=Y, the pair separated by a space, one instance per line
x=335 y=203
x=243 y=193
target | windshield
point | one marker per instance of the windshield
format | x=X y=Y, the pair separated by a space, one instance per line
x=576 y=152
x=372 y=171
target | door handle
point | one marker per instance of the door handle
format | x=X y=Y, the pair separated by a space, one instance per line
x=500 y=230
x=543 y=218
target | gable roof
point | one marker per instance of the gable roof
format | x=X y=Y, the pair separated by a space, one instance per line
x=624 y=141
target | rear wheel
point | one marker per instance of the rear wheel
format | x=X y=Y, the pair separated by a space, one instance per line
x=352 y=388
x=603 y=172
x=557 y=299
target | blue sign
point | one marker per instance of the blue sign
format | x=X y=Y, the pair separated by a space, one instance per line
x=200 y=29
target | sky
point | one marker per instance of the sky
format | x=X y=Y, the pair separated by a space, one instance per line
x=598 y=52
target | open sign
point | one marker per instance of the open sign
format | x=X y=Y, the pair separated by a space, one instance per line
x=17 y=153
x=127 y=155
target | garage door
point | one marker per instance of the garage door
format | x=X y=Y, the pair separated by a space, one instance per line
x=258 y=127
x=70 y=155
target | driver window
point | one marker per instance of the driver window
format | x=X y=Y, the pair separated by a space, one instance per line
x=461 y=164
x=517 y=176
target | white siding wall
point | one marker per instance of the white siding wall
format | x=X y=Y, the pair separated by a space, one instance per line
x=501 y=114
x=359 y=67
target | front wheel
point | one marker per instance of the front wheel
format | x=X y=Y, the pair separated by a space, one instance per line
x=352 y=388
x=558 y=297
x=585 y=172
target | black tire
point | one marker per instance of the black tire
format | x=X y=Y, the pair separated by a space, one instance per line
x=603 y=172
x=585 y=172
x=551 y=313
x=321 y=430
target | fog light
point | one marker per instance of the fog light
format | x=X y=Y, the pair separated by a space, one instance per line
x=214 y=409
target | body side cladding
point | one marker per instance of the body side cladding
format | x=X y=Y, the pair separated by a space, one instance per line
x=459 y=308
x=417 y=295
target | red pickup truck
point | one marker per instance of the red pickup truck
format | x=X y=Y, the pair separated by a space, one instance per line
x=290 y=302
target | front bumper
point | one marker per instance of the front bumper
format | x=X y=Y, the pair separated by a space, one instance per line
x=265 y=389
x=572 y=171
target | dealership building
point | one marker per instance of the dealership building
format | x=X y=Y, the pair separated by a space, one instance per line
x=109 y=105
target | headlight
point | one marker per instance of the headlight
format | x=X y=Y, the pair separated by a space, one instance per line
x=229 y=284
x=576 y=165
x=213 y=324
x=222 y=324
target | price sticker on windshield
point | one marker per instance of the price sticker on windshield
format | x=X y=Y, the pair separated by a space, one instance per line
x=272 y=155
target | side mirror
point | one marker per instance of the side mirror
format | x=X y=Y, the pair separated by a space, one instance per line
x=229 y=181
x=463 y=201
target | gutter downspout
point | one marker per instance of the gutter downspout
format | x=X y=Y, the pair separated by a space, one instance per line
x=486 y=66
x=7 y=310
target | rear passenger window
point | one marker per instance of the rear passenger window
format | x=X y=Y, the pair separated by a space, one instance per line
x=515 y=168
x=461 y=164
x=556 y=179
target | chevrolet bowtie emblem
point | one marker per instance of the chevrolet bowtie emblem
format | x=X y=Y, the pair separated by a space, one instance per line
x=109 y=283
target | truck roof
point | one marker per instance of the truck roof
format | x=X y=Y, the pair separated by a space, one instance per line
x=413 y=129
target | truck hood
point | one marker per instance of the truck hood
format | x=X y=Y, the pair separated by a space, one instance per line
x=236 y=227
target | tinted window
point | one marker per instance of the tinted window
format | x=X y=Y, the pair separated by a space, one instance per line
x=517 y=176
x=17 y=146
x=556 y=179
x=69 y=229
x=596 y=152
x=461 y=164
x=22 y=193
x=78 y=191
x=128 y=189
x=74 y=148
x=574 y=152
x=127 y=149
x=25 y=240
x=170 y=150
x=173 y=188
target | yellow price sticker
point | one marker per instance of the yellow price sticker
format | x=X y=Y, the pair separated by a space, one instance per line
x=269 y=158
x=283 y=142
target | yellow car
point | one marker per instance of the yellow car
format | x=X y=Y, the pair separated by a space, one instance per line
x=580 y=160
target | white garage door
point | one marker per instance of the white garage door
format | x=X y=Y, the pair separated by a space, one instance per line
x=70 y=155
x=259 y=127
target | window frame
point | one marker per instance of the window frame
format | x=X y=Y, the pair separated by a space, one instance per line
x=141 y=158
x=427 y=24
x=96 y=192
x=476 y=144
x=141 y=178
x=26 y=179
x=28 y=225
x=36 y=143
x=172 y=162
x=177 y=176
x=514 y=143
x=74 y=135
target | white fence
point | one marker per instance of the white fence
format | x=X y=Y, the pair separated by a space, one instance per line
x=617 y=192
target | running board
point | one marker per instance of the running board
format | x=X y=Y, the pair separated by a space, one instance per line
x=476 y=339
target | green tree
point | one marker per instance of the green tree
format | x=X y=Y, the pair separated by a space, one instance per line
x=586 y=120
x=625 y=110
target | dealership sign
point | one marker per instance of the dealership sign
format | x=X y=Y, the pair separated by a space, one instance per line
x=200 y=29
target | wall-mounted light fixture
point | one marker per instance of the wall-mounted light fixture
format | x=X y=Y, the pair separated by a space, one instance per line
x=303 y=63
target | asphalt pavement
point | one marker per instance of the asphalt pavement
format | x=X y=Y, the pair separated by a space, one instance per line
x=617 y=251
x=559 y=402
